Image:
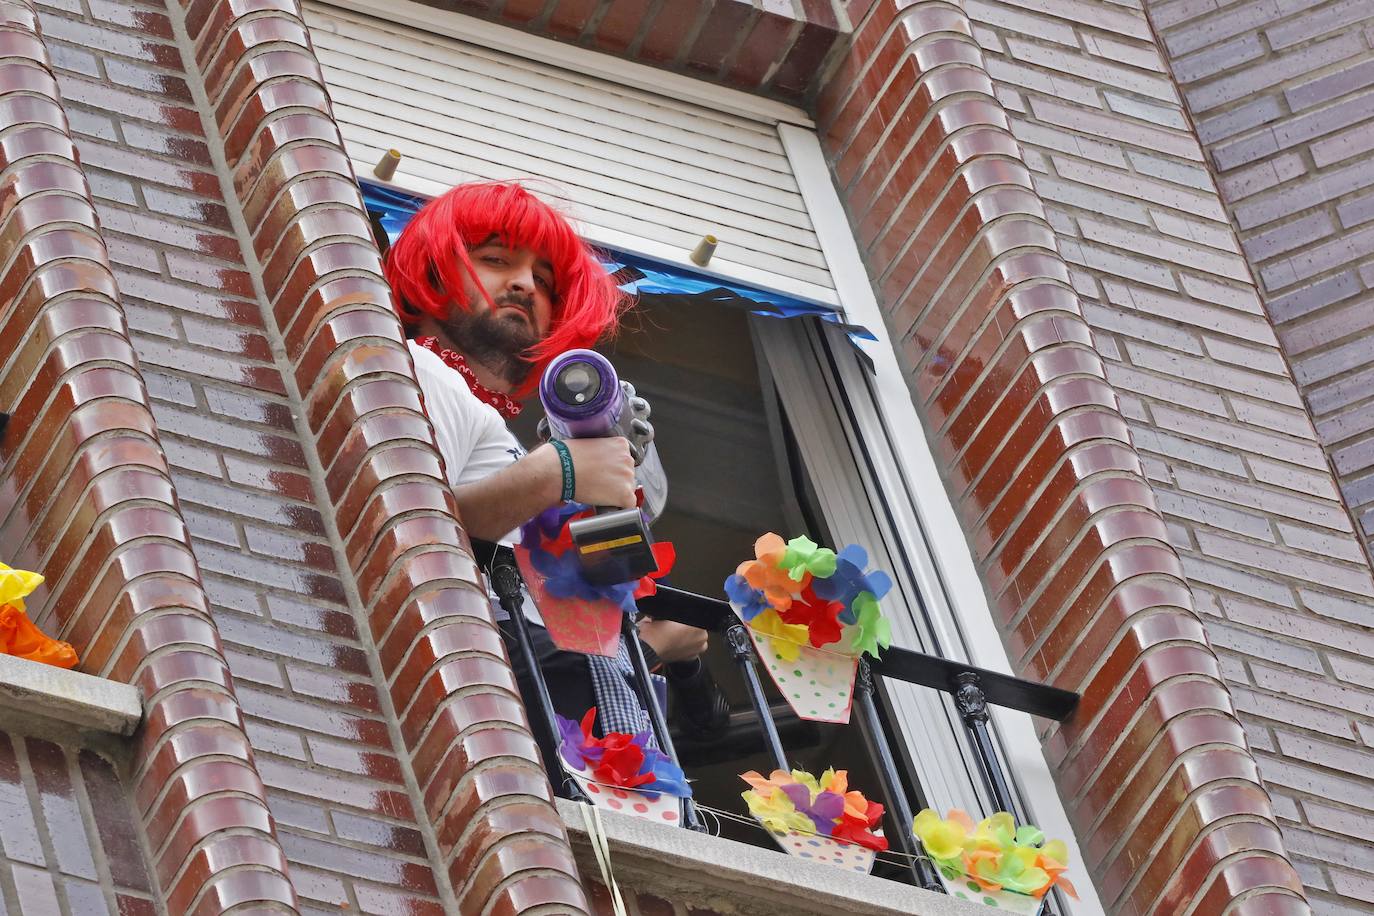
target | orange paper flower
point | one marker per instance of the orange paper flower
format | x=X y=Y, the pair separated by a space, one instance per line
x=18 y=635
x=765 y=575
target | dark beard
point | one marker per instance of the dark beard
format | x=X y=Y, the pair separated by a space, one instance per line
x=497 y=343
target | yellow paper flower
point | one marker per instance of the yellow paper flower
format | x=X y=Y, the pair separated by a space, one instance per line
x=943 y=839
x=771 y=805
x=787 y=638
x=996 y=854
x=806 y=779
x=777 y=813
x=15 y=584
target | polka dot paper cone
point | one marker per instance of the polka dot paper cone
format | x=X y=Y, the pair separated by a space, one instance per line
x=659 y=807
x=574 y=625
x=828 y=851
x=818 y=685
x=959 y=885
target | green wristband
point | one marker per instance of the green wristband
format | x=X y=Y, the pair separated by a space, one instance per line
x=569 y=478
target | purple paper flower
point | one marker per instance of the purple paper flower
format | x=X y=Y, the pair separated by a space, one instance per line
x=547 y=524
x=824 y=811
x=573 y=745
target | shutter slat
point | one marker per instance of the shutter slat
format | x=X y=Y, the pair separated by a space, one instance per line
x=641 y=164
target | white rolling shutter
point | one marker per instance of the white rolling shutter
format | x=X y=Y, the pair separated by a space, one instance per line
x=638 y=171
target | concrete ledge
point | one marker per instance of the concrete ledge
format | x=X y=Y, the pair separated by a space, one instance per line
x=729 y=877
x=41 y=692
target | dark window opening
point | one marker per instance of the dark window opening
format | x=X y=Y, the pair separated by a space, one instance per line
x=734 y=472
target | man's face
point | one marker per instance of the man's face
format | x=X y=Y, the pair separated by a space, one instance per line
x=520 y=284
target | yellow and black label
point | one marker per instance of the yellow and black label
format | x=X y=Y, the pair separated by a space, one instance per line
x=610 y=545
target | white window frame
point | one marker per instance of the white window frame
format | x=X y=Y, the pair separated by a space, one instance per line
x=947 y=576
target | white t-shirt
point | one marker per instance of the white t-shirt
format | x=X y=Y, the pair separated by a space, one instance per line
x=472 y=436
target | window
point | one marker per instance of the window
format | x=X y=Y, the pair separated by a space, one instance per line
x=836 y=449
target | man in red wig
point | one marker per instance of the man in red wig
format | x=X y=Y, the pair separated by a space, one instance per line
x=492 y=284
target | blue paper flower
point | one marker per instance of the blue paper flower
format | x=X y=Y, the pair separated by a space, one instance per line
x=850 y=580
x=750 y=600
x=563 y=576
x=668 y=776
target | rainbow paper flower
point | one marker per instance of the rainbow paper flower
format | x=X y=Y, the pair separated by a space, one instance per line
x=619 y=759
x=798 y=802
x=994 y=853
x=799 y=594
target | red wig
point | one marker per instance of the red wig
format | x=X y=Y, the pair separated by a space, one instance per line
x=427 y=264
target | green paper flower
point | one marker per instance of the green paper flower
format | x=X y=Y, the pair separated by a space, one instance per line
x=872 y=631
x=803 y=556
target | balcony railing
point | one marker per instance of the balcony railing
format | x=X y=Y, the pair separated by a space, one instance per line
x=973 y=690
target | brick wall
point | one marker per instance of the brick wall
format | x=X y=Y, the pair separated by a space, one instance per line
x=223 y=237
x=1038 y=224
x=1283 y=101
x=86 y=499
x=322 y=746
x=68 y=841
x=774 y=47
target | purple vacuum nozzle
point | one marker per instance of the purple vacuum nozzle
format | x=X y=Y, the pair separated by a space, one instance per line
x=582 y=396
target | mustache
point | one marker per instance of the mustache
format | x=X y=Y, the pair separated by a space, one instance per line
x=523 y=301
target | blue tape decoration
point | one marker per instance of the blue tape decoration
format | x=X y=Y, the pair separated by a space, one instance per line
x=634 y=274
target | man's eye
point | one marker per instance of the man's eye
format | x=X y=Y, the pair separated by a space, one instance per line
x=493 y=259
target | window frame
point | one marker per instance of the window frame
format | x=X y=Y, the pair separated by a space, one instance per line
x=947 y=575
x=882 y=410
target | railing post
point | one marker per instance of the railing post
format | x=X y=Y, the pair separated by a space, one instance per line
x=657 y=720
x=742 y=651
x=505 y=581
x=876 y=739
x=972 y=704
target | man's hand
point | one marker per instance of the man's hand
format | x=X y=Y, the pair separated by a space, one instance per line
x=673 y=641
x=492 y=506
x=604 y=471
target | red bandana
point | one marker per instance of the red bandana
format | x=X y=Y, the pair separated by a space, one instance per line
x=505 y=405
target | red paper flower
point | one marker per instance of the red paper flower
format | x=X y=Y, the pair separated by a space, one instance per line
x=621 y=761
x=820 y=617
x=856 y=830
x=665 y=555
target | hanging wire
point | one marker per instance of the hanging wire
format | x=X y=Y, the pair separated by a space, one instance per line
x=890 y=856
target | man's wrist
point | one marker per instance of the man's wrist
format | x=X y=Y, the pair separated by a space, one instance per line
x=550 y=475
x=565 y=466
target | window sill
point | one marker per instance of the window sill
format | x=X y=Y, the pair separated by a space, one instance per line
x=707 y=871
x=44 y=694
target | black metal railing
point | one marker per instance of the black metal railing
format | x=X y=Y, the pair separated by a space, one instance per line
x=973 y=690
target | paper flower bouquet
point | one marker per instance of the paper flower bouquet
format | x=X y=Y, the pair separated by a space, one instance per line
x=580 y=616
x=18 y=634
x=994 y=862
x=621 y=772
x=811 y=613
x=818 y=819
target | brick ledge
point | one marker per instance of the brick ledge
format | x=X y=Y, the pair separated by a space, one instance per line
x=42 y=692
